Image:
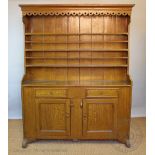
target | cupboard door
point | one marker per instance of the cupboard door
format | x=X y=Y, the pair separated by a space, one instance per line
x=99 y=118
x=53 y=117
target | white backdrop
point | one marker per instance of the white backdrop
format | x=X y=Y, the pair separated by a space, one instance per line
x=137 y=52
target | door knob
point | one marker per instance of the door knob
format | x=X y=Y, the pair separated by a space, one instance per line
x=81 y=104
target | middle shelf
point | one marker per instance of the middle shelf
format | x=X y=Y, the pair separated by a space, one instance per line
x=65 y=66
x=74 y=50
x=71 y=34
x=63 y=58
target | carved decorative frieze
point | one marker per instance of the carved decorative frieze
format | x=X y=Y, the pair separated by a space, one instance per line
x=76 y=10
x=76 y=13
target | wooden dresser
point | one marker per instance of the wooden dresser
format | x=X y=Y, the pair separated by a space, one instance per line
x=76 y=84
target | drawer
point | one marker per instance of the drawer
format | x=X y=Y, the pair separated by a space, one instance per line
x=51 y=93
x=101 y=92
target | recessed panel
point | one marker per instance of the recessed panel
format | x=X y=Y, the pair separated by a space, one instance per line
x=52 y=117
x=100 y=117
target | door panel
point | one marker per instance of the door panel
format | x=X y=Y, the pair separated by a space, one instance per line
x=99 y=117
x=53 y=117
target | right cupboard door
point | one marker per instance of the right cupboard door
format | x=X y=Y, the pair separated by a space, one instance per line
x=100 y=118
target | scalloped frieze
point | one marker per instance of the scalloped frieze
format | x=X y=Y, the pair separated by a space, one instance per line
x=76 y=13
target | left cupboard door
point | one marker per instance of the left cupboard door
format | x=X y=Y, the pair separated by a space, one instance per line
x=52 y=117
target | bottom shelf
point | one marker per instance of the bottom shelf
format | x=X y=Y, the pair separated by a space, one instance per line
x=76 y=83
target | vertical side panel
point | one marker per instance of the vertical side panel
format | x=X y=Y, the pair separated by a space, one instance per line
x=124 y=113
x=29 y=121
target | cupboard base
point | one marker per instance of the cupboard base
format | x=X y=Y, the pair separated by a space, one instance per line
x=29 y=141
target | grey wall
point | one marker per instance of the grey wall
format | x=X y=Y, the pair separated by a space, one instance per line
x=137 y=52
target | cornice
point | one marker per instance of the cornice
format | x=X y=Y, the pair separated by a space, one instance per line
x=76 y=10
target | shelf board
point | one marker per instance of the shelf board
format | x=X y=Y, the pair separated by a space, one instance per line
x=69 y=34
x=76 y=58
x=73 y=50
x=77 y=83
x=72 y=66
x=81 y=42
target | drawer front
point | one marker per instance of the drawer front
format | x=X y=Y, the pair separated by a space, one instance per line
x=101 y=92
x=51 y=93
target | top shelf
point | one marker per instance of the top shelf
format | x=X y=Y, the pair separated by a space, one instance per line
x=70 y=34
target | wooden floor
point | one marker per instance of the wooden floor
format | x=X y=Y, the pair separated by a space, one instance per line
x=59 y=147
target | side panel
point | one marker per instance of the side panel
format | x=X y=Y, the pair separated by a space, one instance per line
x=29 y=121
x=124 y=114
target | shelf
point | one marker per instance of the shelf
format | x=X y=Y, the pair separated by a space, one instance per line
x=76 y=58
x=72 y=66
x=77 y=83
x=73 y=50
x=83 y=42
x=68 y=34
